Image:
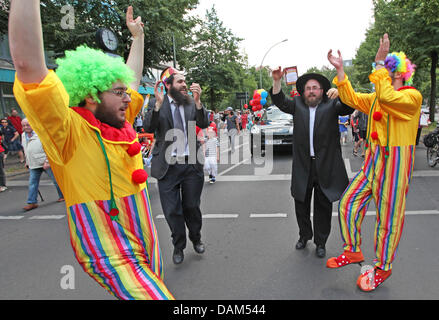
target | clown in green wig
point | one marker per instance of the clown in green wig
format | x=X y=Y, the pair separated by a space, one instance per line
x=87 y=72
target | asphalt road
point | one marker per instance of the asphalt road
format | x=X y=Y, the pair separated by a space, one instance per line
x=249 y=229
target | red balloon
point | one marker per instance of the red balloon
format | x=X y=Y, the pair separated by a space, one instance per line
x=257 y=96
x=254 y=109
x=252 y=102
x=245 y=106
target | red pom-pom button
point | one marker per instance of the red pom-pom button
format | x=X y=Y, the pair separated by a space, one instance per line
x=377 y=116
x=374 y=135
x=134 y=149
x=139 y=176
x=114 y=212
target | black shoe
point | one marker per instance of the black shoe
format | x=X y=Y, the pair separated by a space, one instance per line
x=199 y=247
x=320 y=251
x=178 y=256
x=301 y=244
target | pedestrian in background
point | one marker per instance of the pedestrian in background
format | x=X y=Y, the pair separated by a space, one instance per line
x=343 y=122
x=362 y=133
x=355 y=133
x=37 y=162
x=232 y=126
x=211 y=154
x=15 y=120
x=11 y=139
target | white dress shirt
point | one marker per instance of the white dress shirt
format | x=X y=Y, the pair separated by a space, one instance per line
x=173 y=105
x=312 y=117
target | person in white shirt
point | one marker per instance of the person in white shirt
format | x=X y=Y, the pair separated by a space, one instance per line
x=37 y=162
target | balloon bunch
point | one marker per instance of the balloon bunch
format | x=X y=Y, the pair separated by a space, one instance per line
x=259 y=99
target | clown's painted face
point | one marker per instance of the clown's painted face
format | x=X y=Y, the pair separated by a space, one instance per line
x=113 y=106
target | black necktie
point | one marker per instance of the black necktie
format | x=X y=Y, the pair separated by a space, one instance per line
x=179 y=139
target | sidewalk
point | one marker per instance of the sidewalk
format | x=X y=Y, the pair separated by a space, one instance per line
x=13 y=167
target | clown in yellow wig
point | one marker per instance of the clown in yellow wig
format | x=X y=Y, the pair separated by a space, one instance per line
x=83 y=115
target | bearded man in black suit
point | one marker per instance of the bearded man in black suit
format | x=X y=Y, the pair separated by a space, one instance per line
x=317 y=160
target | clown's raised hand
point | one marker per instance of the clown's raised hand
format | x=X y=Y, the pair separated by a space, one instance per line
x=134 y=25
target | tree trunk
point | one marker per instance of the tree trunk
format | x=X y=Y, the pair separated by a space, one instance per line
x=434 y=61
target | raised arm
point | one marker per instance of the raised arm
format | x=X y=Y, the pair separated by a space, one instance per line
x=26 y=41
x=136 y=55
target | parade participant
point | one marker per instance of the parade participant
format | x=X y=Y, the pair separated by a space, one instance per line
x=93 y=151
x=175 y=162
x=393 y=111
x=317 y=161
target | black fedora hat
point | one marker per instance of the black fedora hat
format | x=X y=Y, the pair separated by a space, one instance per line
x=302 y=80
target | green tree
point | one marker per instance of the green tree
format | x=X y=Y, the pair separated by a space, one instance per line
x=162 y=19
x=413 y=27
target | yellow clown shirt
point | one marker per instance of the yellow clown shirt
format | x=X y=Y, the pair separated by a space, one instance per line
x=120 y=251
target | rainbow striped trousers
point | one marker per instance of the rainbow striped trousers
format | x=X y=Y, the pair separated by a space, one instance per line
x=386 y=180
x=123 y=256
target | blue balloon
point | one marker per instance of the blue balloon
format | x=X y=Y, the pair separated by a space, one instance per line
x=264 y=94
x=263 y=102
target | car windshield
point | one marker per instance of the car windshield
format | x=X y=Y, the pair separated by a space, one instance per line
x=274 y=114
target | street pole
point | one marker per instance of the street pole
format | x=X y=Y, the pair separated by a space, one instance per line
x=260 y=69
x=173 y=46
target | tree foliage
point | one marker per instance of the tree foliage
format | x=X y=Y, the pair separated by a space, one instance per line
x=413 y=27
x=213 y=59
x=162 y=19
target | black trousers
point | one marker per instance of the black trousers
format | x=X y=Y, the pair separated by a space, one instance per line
x=322 y=211
x=180 y=193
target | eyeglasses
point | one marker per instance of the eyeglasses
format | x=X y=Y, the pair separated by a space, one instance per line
x=315 y=88
x=120 y=93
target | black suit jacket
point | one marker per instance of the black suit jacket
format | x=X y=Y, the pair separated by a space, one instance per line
x=331 y=171
x=160 y=122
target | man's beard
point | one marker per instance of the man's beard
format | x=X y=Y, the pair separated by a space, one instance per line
x=180 y=98
x=314 y=102
x=105 y=116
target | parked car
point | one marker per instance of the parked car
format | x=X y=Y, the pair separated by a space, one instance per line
x=275 y=128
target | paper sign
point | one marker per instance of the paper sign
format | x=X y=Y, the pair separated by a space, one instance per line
x=291 y=75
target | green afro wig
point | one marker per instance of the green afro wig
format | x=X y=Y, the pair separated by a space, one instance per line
x=87 y=72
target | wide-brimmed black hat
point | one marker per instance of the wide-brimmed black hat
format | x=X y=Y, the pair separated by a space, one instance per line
x=302 y=80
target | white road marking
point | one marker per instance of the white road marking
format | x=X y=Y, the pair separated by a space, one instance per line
x=228 y=215
x=268 y=215
x=48 y=217
x=209 y=216
x=11 y=217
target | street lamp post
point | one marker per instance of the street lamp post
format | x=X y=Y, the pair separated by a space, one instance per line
x=260 y=69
